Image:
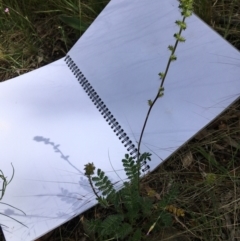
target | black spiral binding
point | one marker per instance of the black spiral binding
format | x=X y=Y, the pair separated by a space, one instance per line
x=104 y=110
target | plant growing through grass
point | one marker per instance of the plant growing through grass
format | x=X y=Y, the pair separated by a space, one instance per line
x=4 y=185
x=186 y=7
x=130 y=208
x=127 y=209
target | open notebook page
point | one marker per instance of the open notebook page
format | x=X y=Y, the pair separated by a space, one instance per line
x=49 y=130
x=122 y=53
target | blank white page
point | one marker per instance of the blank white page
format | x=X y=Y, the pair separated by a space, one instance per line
x=126 y=47
x=49 y=130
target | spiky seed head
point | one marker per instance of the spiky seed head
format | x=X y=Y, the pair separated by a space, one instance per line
x=89 y=169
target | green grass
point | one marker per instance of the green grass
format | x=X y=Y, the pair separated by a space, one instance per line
x=207 y=169
x=34 y=33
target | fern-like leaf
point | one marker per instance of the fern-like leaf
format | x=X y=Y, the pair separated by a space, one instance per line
x=110 y=225
x=92 y=227
x=130 y=167
x=137 y=235
x=102 y=182
x=123 y=231
x=146 y=206
x=102 y=201
x=131 y=201
x=145 y=157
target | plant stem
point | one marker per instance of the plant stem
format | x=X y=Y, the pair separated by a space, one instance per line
x=157 y=96
x=91 y=184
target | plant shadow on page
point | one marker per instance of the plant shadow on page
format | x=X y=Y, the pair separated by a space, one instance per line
x=47 y=108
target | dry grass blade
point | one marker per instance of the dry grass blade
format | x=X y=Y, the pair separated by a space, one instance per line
x=187 y=159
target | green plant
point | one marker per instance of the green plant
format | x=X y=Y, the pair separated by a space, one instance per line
x=129 y=206
x=186 y=7
x=80 y=19
x=128 y=210
x=34 y=34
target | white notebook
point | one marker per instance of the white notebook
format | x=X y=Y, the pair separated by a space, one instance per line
x=52 y=119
